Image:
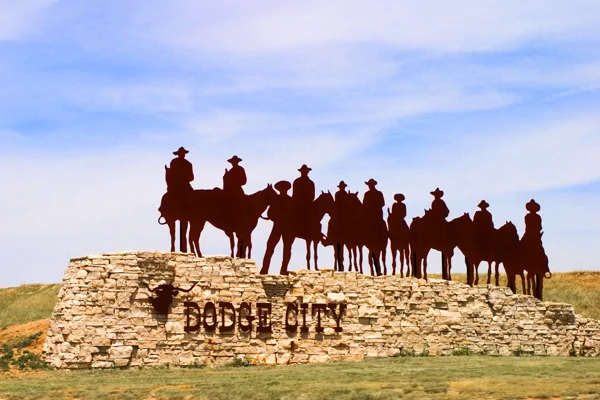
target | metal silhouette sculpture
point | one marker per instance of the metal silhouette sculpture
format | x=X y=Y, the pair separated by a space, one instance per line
x=353 y=225
x=214 y=206
x=175 y=203
x=281 y=213
x=432 y=232
x=164 y=295
x=374 y=228
x=532 y=251
x=484 y=231
x=399 y=234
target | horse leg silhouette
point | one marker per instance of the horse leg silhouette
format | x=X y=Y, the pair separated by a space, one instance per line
x=171 y=225
x=307 y=253
x=416 y=268
x=489 y=282
x=476 y=265
x=425 y=267
x=183 y=227
x=315 y=245
x=196 y=228
x=449 y=265
x=370 y=257
x=394 y=251
x=349 y=248
x=444 y=270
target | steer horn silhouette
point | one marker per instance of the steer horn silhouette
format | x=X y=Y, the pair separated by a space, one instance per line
x=164 y=296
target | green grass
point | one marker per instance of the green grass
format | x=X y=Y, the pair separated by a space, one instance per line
x=27 y=303
x=478 y=377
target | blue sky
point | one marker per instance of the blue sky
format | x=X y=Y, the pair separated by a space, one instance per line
x=94 y=97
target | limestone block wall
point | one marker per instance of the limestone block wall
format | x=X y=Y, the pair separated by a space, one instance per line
x=104 y=318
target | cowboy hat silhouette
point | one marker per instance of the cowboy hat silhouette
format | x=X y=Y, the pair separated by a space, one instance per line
x=532 y=206
x=371 y=182
x=483 y=204
x=234 y=159
x=181 y=150
x=437 y=193
x=283 y=186
x=342 y=185
x=399 y=197
x=304 y=168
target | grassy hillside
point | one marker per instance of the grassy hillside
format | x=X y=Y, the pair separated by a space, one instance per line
x=582 y=289
x=27 y=303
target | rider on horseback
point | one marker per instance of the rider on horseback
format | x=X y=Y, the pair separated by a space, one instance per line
x=235 y=178
x=533 y=223
x=438 y=214
x=178 y=176
x=373 y=201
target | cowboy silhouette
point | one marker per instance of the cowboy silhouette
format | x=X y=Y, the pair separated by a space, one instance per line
x=180 y=173
x=439 y=209
x=235 y=178
x=532 y=251
x=375 y=230
x=399 y=234
x=281 y=213
x=399 y=208
x=335 y=229
x=303 y=196
x=533 y=223
x=483 y=224
x=373 y=201
x=483 y=233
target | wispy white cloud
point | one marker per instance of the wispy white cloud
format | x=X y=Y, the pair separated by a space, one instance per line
x=19 y=19
x=342 y=86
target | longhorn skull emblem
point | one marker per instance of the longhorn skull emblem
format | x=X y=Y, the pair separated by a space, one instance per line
x=164 y=296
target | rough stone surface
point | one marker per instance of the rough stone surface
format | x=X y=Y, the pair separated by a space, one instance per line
x=103 y=317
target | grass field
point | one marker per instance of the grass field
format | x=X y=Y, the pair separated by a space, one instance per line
x=472 y=377
x=27 y=303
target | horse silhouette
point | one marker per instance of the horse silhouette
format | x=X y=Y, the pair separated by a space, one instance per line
x=311 y=229
x=208 y=206
x=340 y=227
x=427 y=234
x=507 y=251
x=535 y=262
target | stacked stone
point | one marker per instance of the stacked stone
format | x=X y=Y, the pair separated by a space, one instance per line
x=104 y=318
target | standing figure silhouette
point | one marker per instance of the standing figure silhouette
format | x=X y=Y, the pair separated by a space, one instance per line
x=374 y=227
x=484 y=232
x=303 y=195
x=281 y=213
x=399 y=234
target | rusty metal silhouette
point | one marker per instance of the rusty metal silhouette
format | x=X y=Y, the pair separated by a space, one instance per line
x=399 y=234
x=164 y=295
x=175 y=203
x=353 y=225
